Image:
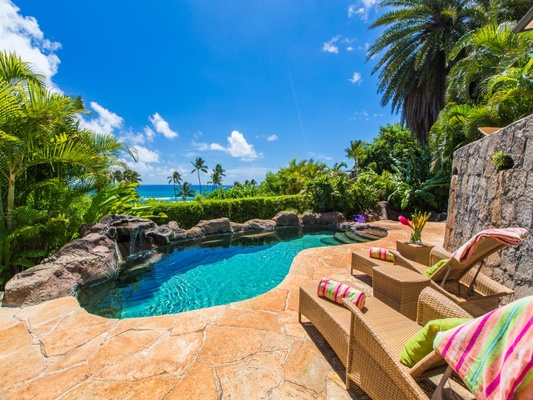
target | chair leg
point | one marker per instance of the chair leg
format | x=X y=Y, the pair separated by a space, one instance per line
x=438 y=392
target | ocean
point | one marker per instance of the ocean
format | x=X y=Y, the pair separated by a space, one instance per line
x=166 y=192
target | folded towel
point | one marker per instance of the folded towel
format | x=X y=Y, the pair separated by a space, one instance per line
x=508 y=236
x=337 y=291
x=493 y=354
x=381 y=254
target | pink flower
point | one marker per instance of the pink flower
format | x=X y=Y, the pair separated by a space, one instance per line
x=404 y=221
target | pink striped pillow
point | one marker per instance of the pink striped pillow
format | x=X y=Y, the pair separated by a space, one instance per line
x=381 y=254
x=337 y=291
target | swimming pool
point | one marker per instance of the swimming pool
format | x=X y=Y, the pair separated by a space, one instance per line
x=214 y=272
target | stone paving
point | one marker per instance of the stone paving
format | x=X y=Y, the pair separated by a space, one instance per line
x=253 y=349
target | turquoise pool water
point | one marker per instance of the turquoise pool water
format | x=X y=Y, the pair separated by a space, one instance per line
x=205 y=275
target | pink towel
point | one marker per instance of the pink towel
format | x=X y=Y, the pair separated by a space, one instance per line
x=508 y=236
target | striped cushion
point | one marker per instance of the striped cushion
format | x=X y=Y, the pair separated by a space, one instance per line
x=337 y=291
x=381 y=254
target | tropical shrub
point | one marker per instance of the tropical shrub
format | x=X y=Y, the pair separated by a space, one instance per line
x=188 y=214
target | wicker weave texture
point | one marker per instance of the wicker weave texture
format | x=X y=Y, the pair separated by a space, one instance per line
x=373 y=363
x=399 y=288
x=332 y=320
x=362 y=264
x=419 y=253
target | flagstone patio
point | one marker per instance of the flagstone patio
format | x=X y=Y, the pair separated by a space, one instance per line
x=253 y=349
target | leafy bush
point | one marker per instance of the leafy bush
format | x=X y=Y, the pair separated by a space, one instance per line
x=188 y=214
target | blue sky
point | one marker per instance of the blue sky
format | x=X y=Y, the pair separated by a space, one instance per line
x=246 y=84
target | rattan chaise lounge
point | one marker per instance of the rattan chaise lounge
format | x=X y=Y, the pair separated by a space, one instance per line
x=369 y=342
x=461 y=282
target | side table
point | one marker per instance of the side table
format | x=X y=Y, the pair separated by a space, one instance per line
x=419 y=253
x=399 y=288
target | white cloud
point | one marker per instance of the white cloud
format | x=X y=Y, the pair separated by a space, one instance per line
x=330 y=47
x=162 y=126
x=356 y=78
x=132 y=138
x=361 y=9
x=272 y=138
x=150 y=134
x=145 y=155
x=320 y=156
x=106 y=122
x=23 y=36
x=237 y=147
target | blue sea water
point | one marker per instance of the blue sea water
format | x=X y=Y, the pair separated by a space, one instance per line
x=197 y=277
x=166 y=192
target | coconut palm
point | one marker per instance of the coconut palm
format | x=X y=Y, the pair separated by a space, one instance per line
x=490 y=86
x=418 y=36
x=199 y=165
x=216 y=179
x=185 y=191
x=221 y=171
x=354 y=152
x=175 y=179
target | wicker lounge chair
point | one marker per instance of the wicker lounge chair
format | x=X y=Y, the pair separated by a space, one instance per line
x=369 y=342
x=461 y=282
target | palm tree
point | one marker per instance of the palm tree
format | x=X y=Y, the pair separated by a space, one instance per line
x=199 y=165
x=354 y=152
x=418 y=37
x=43 y=132
x=175 y=179
x=337 y=167
x=185 y=191
x=216 y=179
x=490 y=86
x=220 y=170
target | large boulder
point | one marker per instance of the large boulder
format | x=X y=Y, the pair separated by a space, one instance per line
x=164 y=234
x=328 y=218
x=80 y=262
x=214 y=226
x=260 y=224
x=119 y=227
x=286 y=218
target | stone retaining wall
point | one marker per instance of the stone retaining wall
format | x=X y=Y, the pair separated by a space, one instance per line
x=482 y=197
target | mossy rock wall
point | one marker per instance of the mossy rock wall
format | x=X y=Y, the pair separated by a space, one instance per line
x=482 y=197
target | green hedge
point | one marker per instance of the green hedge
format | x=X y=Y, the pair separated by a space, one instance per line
x=189 y=214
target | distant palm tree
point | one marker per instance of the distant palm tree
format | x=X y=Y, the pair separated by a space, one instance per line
x=354 y=152
x=130 y=176
x=185 y=191
x=253 y=182
x=220 y=170
x=337 y=166
x=175 y=179
x=199 y=165
x=216 y=179
x=418 y=37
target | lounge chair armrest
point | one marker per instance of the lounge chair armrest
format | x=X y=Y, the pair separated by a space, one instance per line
x=403 y=262
x=435 y=305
